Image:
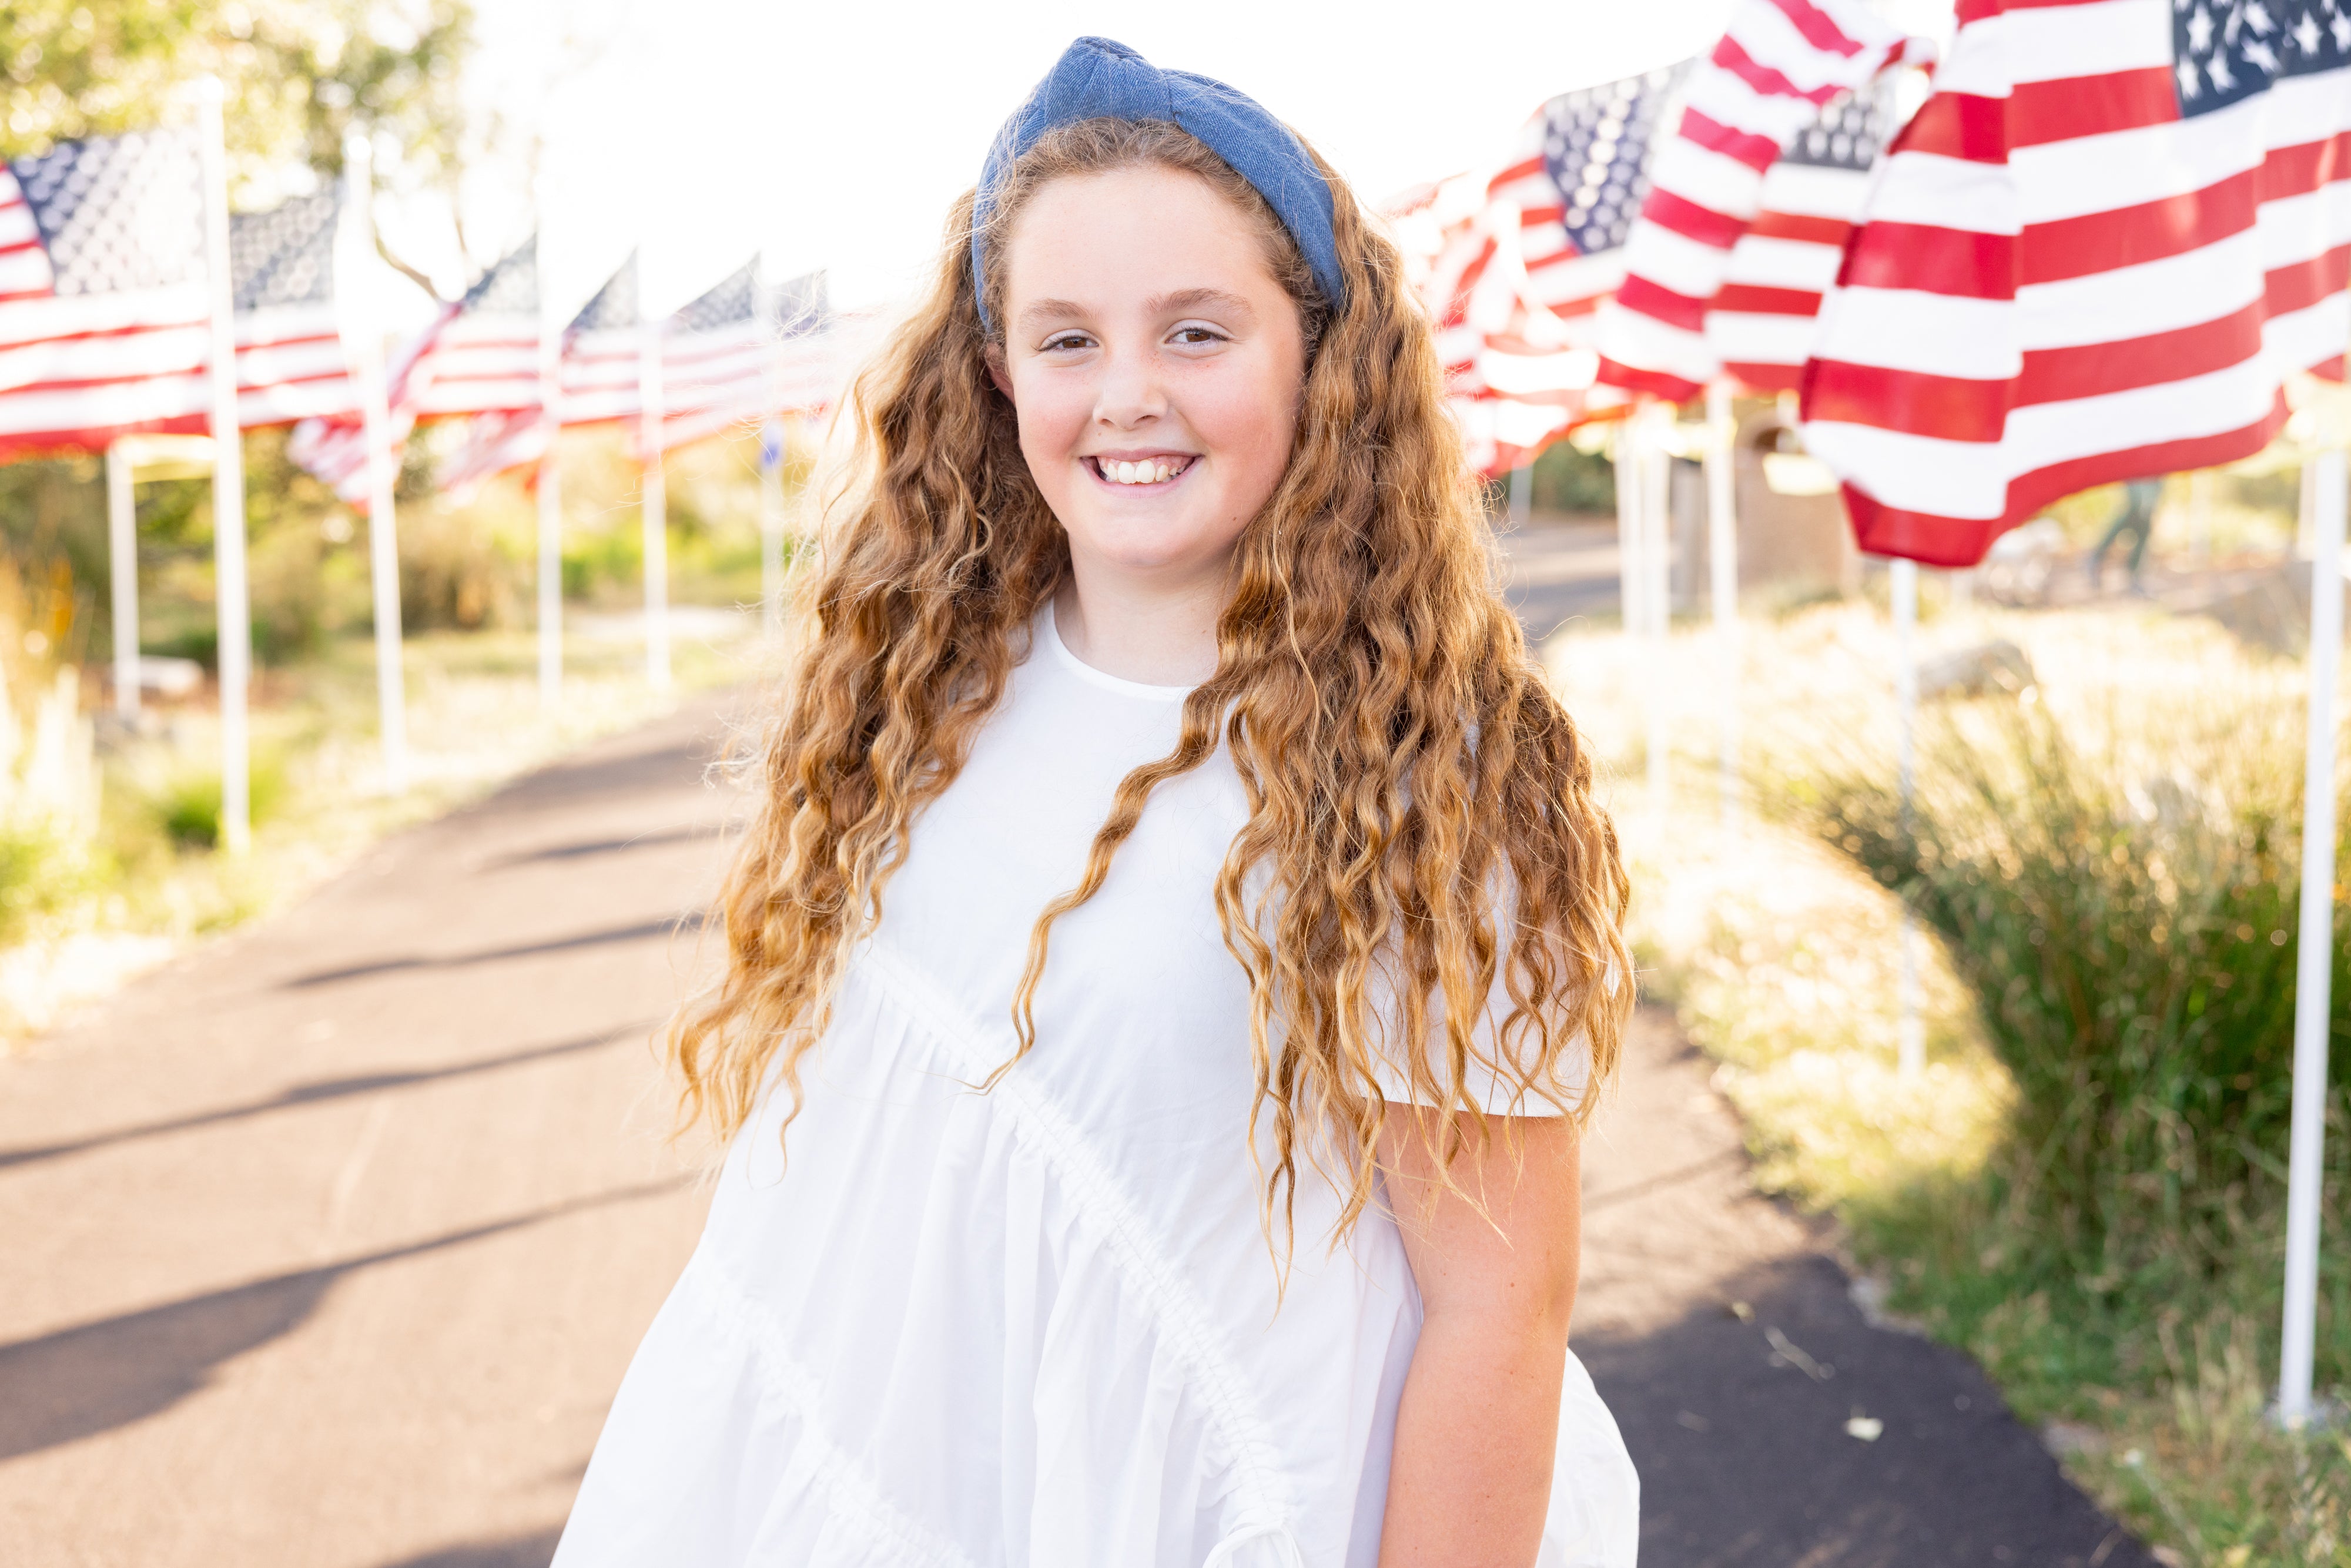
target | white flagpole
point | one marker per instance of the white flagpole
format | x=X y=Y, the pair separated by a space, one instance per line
x=1722 y=562
x=1657 y=560
x=771 y=469
x=550 y=484
x=655 y=505
x=771 y=523
x=1522 y=487
x=232 y=605
x=1910 y=1029
x=122 y=570
x=2314 y=963
x=1629 y=575
x=364 y=343
x=1633 y=481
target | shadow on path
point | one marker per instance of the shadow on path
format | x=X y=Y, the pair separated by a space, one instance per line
x=1738 y=1425
x=607 y=847
x=642 y=931
x=82 y=1381
x=314 y=1093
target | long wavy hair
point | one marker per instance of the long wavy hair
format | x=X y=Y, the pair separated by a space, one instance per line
x=1421 y=819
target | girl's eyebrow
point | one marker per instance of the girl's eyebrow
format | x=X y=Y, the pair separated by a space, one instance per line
x=1041 y=313
x=1044 y=310
x=1194 y=298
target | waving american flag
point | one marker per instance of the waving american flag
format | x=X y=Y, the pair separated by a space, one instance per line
x=1764 y=86
x=1512 y=265
x=480 y=355
x=2094 y=255
x=105 y=318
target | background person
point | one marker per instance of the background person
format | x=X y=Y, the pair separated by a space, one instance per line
x=2134 y=521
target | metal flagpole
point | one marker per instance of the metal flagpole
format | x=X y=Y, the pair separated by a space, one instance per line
x=365 y=345
x=655 y=502
x=2314 y=964
x=122 y=569
x=1722 y=562
x=1522 y=487
x=1910 y=1029
x=550 y=485
x=235 y=630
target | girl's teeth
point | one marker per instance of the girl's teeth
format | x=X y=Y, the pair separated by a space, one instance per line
x=1155 y=471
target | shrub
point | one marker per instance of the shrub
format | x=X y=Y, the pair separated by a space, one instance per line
x=187 y=804
x=2130 y=942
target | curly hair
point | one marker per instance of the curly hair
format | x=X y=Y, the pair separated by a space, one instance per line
x=1421 y=819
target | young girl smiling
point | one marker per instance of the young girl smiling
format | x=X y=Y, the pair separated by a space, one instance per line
x=1176 y=945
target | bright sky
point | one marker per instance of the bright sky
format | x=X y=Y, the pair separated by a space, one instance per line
x=835 y=135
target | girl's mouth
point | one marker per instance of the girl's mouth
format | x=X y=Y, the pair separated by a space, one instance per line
x=1145 y=474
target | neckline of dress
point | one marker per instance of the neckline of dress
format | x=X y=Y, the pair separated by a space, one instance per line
x=1050 y=632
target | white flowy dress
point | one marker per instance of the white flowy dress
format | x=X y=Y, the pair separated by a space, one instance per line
x=1036 y=1327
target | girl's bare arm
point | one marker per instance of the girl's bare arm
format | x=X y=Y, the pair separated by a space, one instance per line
x=1479 y=1418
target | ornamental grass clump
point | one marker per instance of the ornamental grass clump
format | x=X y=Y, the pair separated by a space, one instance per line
x=2120 y=898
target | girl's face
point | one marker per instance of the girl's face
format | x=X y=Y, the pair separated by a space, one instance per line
x=1155 y=365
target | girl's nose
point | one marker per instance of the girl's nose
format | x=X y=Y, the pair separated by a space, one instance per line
x=1130 y=394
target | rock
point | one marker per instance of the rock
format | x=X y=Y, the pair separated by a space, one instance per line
x=1976 y=672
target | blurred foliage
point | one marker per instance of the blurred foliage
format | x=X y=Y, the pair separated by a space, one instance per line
x=299 y=74
x=187 y=804
x=1568 y=480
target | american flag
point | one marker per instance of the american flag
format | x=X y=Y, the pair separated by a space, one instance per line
x=744 y=350
x=601 y=350
x=1759 y=325
x=105 y=319
x=1778 y=66
x=1512 y=266
x=2094 y=254
x=480 y=355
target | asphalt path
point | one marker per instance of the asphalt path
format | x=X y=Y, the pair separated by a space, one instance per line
x=328 y=1245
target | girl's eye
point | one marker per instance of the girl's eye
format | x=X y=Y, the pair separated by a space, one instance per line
x=1192 y=337
x=1067 y=341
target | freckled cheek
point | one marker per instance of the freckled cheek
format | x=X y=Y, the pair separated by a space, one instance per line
x=1054 y=414
x=1246 y=421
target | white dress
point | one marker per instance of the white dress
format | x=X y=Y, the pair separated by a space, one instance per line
x=1036 y=1327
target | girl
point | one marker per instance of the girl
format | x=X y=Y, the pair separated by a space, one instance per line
x=1175 y=948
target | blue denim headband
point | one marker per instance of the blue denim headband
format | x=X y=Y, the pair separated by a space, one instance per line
x=1097 y=79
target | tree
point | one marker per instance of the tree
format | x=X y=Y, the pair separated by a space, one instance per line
x=300 y=74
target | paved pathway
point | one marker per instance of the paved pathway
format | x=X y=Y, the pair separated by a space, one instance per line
x=327 y=1248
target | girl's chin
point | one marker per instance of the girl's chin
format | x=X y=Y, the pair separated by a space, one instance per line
x=1145 y=553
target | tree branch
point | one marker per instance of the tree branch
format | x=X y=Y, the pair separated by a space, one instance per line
x=407 y=272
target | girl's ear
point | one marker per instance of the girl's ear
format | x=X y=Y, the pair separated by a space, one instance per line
x=997 y=372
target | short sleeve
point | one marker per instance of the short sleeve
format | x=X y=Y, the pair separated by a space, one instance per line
x=1495 y=1091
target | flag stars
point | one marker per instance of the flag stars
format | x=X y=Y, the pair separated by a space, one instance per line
x=2341 y=27
x=2190 y=83
x=2305 y=34
x=2261 y=55
x=2199 y=31
x=2257 y=17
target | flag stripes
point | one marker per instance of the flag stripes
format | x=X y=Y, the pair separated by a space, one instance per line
x=1778 y=66
x=2065 y=278
x=105 y=323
